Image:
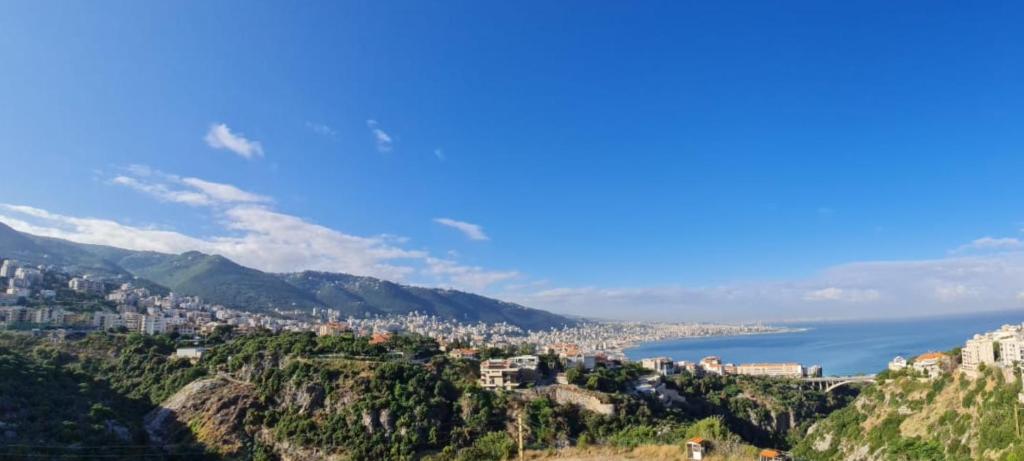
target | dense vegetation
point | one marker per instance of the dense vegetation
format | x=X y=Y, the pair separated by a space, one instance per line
x=910 y=417
x=401 y=399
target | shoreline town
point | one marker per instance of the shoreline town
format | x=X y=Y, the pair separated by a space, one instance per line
x=52 y=301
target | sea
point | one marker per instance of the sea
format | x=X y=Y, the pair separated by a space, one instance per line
x=842 y=348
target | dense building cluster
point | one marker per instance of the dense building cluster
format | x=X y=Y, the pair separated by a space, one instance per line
x=1002 y=348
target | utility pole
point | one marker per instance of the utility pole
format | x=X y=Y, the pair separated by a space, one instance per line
x=520 y=424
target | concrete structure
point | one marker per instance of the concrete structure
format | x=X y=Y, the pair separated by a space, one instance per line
x=897 y=363
x=466 y=353
x=712 y=364
x=527 y=362
x=587 y=361
x=977 y=351
x=499 y=374
x=153 y=324
x=331 y=329
x=1011 y=350
x=193 y=353
x=84 y=285
x=106 y=320
x=661 y=365
x=8 y=268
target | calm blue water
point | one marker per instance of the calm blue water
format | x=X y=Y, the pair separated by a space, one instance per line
x=841 y=348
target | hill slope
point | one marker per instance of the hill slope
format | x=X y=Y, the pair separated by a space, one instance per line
x=908 y=417
x=219 y=280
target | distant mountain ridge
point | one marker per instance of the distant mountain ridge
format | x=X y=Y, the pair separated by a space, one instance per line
x=219 y=280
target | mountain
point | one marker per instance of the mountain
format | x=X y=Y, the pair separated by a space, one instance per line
x=219 y=280
x=367 y=295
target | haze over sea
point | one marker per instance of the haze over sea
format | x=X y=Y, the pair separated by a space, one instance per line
x=841 y=348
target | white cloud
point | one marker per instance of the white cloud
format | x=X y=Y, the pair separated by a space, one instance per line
x=856 y=290
x=220 y=137
x=841 y=295
x=381 y=139
x=256 y=236
x=470 y=230
x=990 y=244
x=162 y=192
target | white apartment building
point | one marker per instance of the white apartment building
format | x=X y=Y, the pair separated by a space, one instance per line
x=153 y=324
x=529 y=362
x=976 y=351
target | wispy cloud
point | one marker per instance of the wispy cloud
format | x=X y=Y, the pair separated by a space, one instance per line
x=990 y=244
x=470 y=230
x=322 y=129
x=439 y=153
x=381 y=139
x=220 y=136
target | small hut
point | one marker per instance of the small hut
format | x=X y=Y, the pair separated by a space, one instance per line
x=769 y=454
x=696 y=448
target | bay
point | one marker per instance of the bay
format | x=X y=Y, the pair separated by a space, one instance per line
x=841 y=348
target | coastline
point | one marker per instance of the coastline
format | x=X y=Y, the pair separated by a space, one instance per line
x=782 y=330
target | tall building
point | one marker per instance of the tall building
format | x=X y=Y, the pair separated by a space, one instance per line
x=8 y=268
x=978 y=350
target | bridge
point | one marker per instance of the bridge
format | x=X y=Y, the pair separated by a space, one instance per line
x=828 y=383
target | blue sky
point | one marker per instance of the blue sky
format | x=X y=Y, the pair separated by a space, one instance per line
x=684 y=160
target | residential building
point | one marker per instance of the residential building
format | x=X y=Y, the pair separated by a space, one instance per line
x=931 y=363
x=977 y=351
x=586 y=361
x=661 y=365
x=787 y=370
x=712 y=364
x=1011 y=350
x=106 y=320
x=85 y=285
x=500 y=374
x=331 y=329
x=153 y=324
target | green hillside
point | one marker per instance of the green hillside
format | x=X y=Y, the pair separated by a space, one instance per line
x=909 y=417
x=219 y=280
